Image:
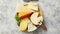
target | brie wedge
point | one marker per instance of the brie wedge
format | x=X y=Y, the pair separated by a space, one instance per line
x=31 y=27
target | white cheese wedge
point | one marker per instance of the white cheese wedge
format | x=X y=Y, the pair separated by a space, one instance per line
x=31 y=27
x=33 y=6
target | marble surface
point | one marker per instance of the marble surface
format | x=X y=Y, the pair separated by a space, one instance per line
x=51 y=11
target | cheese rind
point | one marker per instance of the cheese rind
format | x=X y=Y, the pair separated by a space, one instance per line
x=34 y=18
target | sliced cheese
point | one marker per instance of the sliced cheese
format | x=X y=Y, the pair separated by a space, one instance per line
x=31 y=27
x=24 y=24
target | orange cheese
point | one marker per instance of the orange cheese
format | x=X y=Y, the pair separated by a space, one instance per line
x=24 y=14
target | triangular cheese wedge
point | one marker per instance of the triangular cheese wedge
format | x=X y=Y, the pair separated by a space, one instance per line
x=33 y=6
x=24 y=24
x=22 y=8
x=31 y=27
x=24 y=14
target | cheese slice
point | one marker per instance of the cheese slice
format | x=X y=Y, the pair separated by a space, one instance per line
x=24 y=24
x=31 y=27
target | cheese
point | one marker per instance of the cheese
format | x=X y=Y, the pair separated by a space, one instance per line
x=24 y=24
x=35 y=19
x=33 y=6
x=24 y=14
x=31 y=27
x=22 y=8
x=41 y=18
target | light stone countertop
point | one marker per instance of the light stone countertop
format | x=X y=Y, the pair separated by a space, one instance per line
x=51 y=11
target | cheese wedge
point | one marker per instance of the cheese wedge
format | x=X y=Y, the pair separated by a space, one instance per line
x=31 y=27
x=22 y=8
x=24 y=24
x=24 y=14
x=35 y=19
x=33 y=6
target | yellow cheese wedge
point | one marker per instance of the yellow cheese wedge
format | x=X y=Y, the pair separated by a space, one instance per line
x=23 y=24
x=22 y=8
